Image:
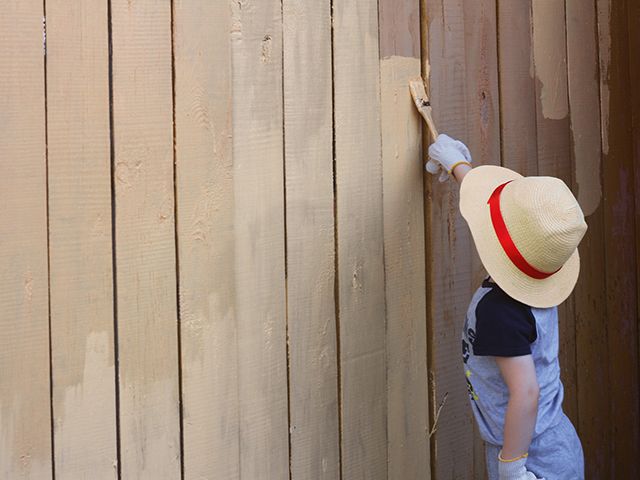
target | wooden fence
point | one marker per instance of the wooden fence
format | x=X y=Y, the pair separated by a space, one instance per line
x=220 y=258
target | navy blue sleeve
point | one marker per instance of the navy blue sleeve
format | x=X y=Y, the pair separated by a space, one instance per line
x=504 y=326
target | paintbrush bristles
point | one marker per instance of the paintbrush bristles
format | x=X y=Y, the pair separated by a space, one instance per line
x=421 y=100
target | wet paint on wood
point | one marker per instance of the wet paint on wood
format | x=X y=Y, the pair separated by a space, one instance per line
x=311 y=303
x=25 y=422
x=80 y=243
x=144 y=243
x=205 y=239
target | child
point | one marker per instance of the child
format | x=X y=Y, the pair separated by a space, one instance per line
x=526 y=231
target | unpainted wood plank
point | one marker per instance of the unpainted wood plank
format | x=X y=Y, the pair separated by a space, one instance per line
x=483 y=119
x=205 y=229
x=404 y=255
x=464 y=91
x=633 y=17
x=260 y=297
x=590 y=309
x=554 y=151
x=25 y=423
x=311 y=307
x=144 y=240
x=80 y=244
x=619 y=237
x=517 y=87
x=360 y=239
x=449 y=277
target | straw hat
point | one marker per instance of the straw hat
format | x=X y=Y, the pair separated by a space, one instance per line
x=526 y=231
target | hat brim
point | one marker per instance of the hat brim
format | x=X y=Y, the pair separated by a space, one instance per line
x=475 y=190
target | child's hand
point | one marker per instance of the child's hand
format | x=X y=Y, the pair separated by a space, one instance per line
x=446 y=153
x=514 y=470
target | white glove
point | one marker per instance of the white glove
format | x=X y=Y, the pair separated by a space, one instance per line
x=514 y=470
x=446 y=153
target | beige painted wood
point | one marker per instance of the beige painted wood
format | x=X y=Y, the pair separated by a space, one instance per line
x=407 y=402
x=144 y=240
x=25 y=424
x=80 y=246
x=260 y=296
x=404 y=247
x=360 y=239
x=204 y=216
x=583 y=86
x=313 y=382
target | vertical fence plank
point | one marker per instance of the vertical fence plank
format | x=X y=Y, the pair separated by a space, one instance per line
x=204 y=216
x=144 y=241
x=634 y=72
x=464 y=91
x=25 y=424
x=590 y=307
x=360 y=239
x=407 y=396
x=314 y=425
x=517 y=87
x=554 y=151
x=449 y=278
x=259 y=239
x=483 y=136
x=619 y=237
x=80 y=248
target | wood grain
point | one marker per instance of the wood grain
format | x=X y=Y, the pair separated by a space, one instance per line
x=517 y=87
x=205 y=229
x=449 y=278
x=25 y=423
x=80 y=243
x=360 y=239
x=311 y=305
x=144 y=240
x=619 y=237
x=464 y=91
x=407 y=391
x=260 y=297
x=554 y=151
x=590 y=307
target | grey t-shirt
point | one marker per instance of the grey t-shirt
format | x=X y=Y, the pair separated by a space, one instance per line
x=497 y=325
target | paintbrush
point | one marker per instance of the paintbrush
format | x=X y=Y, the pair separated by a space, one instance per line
x=421 y=99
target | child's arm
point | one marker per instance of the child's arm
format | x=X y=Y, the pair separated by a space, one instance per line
x=460 y=171
x=520 y=376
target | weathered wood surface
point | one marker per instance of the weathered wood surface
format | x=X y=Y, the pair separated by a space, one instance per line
x=554 y=149
x=464 y=92
x=311 y=302
x=517 y=87
x=144 y=242
x=360 y=268
x=407 y=386
x=205 y=239
x=80 y=243
x=25 y=423
x=259 y=256
x=590 y=306
x=620 y=241
x=279 y=326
